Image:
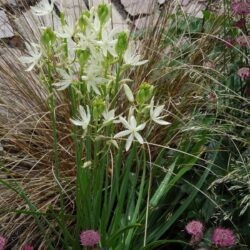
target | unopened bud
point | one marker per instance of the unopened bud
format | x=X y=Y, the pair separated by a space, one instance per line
x=128 y=93
x=144 y=93
x=103 y=13
x=122 y=43
x=48 y=37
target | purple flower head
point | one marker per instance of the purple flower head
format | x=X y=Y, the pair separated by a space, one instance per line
x=89 y=238
x=28 y=247
x=240 y=24
x=243 y=41
x=241 y=8
x=195 y=228
x=229 y=42
x=244 y=73
x=223 y=237
x=3 y=242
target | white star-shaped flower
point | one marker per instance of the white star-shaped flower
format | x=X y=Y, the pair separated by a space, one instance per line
x=108 y=115
x=154 y=113
x=131 y=130
x=92 y=81
x=35 y=54
x=85 y=118
x=43 y=8
x=132 y=58
x=107 y=43
x=65 y=82
x=67 y=30
x=87 y=40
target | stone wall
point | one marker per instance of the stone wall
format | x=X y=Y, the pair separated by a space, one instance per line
x=124 y=13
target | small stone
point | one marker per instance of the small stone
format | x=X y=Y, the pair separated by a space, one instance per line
x=135 y=7
x=185 y=2
x=161 y=1
x=5 y=28
x=12 y=2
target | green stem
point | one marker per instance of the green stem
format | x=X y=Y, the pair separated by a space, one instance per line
x=54 y=127
x=78 y=159
x=116 y=87
x=55 y=138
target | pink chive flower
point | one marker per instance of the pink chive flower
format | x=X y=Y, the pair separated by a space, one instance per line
x=28 y=247
x=241 y=8
x=243 y=41
x=223 y=237
x=3 y=242
x=195 y=228
x=240 y=23
x=229 y=42
x=244 y=73
x=89 y=238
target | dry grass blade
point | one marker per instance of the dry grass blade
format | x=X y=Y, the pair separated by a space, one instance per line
x=26 y=128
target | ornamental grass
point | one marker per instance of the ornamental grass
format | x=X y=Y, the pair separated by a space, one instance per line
x=117 y=138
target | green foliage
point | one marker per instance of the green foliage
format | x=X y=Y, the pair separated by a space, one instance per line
x=48 y=37
x=138 y=193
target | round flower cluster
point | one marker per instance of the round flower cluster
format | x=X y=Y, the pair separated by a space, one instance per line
x=244 y=73
x=243 y=41
x=229 y=42
x=241 y=8
x=240 y=24
x=89 y=238
x=195 y=228
x=223 y=237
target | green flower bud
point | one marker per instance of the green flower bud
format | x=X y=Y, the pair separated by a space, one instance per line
x=48 y=37
x=103 y=13
x=62 y=18
x=122 y=43
x=82 y=56
x=82 y=21
x=144 y=93
x=98 y=107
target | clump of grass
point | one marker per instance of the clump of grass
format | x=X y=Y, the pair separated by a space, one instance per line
x=47 y=170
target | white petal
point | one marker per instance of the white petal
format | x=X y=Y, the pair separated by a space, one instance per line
x=63 y=34
x=124 y=122
x=96 y=90
x=42 y=8
x=158 y=110
x=111 y=114
x=115 y=31
x=108 y=115
x=31 y=67
x=161 y=122
x=133 y=122
x=141 y=126
x=112 y=51
x=82 y=112
x=138 y=137
x=122 y=133
x=88 y=114
x=77 y=122
x=129 y=142
x=26 y=59
x=139 y=63
x=114 y=143
x=62 y=85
